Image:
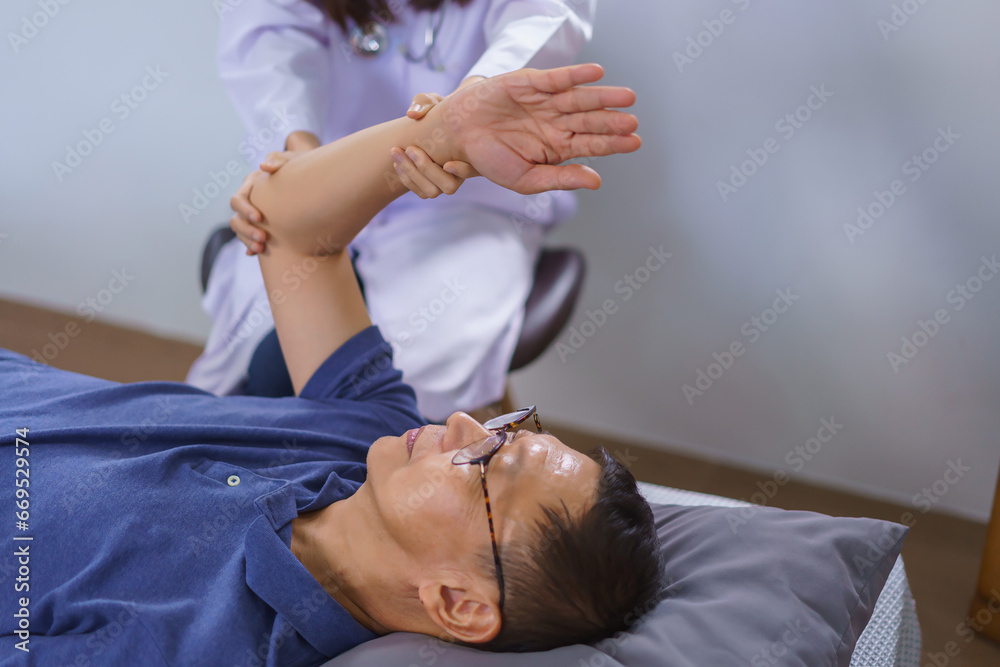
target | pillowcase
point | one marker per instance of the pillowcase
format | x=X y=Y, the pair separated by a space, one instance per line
x=743 y=586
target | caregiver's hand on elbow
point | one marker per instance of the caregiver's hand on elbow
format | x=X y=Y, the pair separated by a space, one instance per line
x=246 y=217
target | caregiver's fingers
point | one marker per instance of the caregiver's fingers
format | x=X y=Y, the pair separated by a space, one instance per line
x=254 y=238
x=275 y=160
x=422 y=175
x=410 y=176
x=246 y=216
x=461 y=169
x=602 y=121
x=240 y=201
x=421 y=104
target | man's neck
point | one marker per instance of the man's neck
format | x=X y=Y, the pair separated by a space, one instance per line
x=334 y=545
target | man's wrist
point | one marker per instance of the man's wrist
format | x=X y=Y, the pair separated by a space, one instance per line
x=438 y=137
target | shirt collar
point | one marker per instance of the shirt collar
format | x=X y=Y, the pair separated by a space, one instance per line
x=283 y=582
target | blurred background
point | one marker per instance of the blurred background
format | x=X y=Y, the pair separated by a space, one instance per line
x=822 y=176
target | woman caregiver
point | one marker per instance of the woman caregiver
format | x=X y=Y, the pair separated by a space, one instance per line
x=312 y=79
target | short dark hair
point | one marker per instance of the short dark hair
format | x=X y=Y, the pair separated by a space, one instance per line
x=361 y=12
x=580 y=579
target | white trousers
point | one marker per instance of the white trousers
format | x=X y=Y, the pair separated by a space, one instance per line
x=446 y=286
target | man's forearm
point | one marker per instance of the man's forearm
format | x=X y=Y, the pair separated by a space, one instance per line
x=514 y=129
x=333 y=191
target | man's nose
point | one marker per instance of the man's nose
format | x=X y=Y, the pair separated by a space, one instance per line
x=461 y=430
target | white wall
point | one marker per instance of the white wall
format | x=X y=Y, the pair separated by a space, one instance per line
x=67 y=232
x=826 y=357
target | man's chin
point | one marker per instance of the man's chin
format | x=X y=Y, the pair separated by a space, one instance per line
x=383 y=447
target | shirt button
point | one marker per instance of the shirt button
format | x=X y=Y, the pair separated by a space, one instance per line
x=233 y=480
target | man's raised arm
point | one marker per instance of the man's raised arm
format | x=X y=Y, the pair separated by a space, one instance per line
x=514 y=129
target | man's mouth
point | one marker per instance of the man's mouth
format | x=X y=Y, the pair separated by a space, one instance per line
x=411 y=437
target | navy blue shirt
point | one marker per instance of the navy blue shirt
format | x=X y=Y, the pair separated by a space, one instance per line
x=160 y=515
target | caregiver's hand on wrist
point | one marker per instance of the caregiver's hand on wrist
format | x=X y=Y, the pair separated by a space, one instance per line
x=417 y=171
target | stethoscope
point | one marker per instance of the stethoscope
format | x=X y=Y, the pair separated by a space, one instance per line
x=373 y=40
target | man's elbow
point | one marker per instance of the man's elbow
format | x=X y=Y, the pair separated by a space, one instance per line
x=284 y=224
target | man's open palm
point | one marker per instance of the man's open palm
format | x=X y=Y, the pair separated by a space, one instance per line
x=515 y=128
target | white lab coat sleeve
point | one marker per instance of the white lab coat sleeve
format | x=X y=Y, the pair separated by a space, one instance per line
x=534 y=33
x=274 y=62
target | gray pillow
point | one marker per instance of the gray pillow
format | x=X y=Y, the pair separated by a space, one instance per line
x=742 y=586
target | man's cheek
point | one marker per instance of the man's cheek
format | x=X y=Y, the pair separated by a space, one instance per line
x=430 y=495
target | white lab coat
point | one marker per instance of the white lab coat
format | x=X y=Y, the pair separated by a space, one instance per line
x=286 y=68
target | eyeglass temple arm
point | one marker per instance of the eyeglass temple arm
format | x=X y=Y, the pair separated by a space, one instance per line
x=493 y=535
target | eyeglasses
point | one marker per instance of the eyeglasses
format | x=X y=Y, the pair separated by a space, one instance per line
x=480 y=452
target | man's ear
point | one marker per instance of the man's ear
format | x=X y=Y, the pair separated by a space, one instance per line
x=465 y=614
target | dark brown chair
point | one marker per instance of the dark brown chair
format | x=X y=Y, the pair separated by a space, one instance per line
x=558 y=279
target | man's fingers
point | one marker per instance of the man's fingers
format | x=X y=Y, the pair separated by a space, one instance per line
x=545 y=177
x=595 y=145
x=602 y=121
x=564 y=78
x=588 y=98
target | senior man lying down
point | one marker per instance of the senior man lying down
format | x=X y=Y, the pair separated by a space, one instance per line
x=161 y=525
